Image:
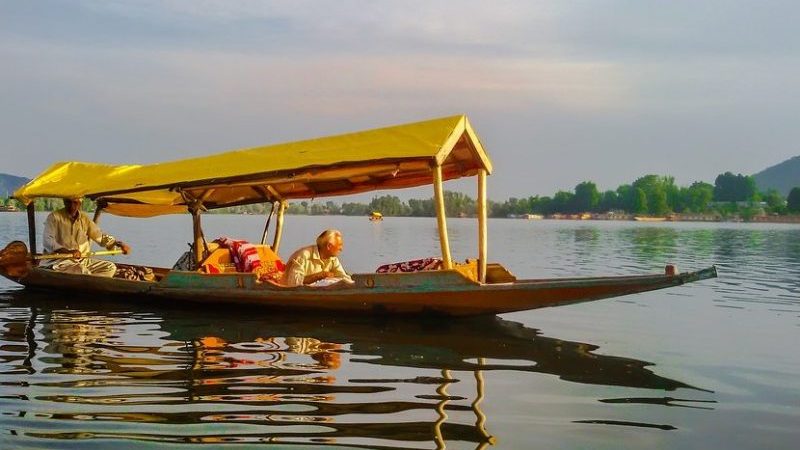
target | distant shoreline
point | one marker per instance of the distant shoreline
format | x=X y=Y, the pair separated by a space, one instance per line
x=580 y=217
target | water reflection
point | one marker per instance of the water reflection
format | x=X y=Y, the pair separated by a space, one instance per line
x=651 y=242
x=94 y=371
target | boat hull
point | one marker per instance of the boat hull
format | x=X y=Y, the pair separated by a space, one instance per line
x=445 y=292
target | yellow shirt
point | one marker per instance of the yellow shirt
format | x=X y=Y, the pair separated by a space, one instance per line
x=307 y=261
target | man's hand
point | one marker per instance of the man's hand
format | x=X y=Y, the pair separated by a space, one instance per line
x=124 y=247
x=76 y=254
x=314 y=277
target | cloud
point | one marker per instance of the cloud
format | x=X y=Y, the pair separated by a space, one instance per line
x=586 y=89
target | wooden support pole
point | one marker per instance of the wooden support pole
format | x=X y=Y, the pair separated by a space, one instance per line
x=97 y=212
x=266 y=225
x=441 y=220
x=278 y=227
x=32 y=227
x=198 y=236
x=483 y=235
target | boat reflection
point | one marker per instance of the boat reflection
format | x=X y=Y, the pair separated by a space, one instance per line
x=244 y=377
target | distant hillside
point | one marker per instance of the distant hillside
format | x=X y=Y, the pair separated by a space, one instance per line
x=10 y=183
x=782 y=177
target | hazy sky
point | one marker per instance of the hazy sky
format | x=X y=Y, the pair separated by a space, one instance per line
x=559 y=91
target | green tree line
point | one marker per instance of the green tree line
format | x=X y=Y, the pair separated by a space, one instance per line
x=648 y=195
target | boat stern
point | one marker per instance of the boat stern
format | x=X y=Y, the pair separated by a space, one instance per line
x=14 y=261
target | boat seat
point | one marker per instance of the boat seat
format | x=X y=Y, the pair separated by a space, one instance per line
x=220 y=258
x=495 y=273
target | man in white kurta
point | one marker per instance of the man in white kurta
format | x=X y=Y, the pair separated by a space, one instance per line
x=318 y=263
x=70 y=230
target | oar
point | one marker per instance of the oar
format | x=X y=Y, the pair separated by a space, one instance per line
x=70 y=255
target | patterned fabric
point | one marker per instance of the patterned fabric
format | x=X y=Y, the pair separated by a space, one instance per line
x=244 y=254
x=417 y=265
x=185 y=262
x=246 y=258
x=271 y=271
x=86 y=266
x=136 y=273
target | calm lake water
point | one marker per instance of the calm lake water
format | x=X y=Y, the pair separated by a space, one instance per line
x=710 y=365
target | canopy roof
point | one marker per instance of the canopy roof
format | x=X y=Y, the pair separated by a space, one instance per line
x=385 y=158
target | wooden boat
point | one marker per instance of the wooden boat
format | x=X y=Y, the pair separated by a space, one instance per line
x=422 y=153
x=375 y=216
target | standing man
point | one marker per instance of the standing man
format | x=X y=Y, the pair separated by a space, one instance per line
x=69 y=230
x=317 y=262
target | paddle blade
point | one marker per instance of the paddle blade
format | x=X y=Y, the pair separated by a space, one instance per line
x=14 y=260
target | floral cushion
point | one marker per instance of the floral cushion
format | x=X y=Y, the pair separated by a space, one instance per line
x=417 y=265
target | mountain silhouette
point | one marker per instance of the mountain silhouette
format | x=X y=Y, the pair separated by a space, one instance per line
x=781 y=177
x=10 y=183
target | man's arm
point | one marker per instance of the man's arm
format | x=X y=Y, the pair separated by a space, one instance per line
x=295 y=274
x=105 y=240
x=96 y=234
x=314 y=277
x=338 y=271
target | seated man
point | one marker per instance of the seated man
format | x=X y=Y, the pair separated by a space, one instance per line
x=312 y=264
x=69 y=230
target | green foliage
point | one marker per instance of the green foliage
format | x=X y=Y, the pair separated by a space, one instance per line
x=563 y=202
x=655 y=189
x=422 y=208
x=389 y=205
x=775 y=201
x=332 y=208
x=628 y=199
x=735 y=188
x=587 y=197
x=639 y=198
x=541 y=205
x=793 y=200
x=457 y=204
x=609 y=201
x=355 y=209
x=650 y=194
x=697 y=197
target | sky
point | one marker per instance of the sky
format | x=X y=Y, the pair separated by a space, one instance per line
x=559 y=92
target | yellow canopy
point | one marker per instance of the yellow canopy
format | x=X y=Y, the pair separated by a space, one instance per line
x=386 y=158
